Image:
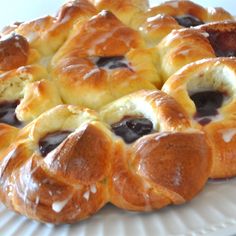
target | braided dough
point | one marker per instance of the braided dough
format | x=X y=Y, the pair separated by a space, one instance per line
x=159 y=21
x=181 y=47
x=215 y=118
x=92 y=166
x=83 y=122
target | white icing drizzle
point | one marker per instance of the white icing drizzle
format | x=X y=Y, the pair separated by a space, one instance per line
x=156 y=17
x=161 y=135
x=86 y=195
x=9 y=190
x=106 y=36
x=37 y=200
x=177 y=179
x=184 y=52
x=90 y=73
x=205 y=34
x=93 y=188
x=59 y=205
x=228 y=134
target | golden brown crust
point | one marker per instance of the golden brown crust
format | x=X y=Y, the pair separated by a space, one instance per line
x=159 y=21
x=181 y=47
x=78 y=78
x=175 y=156
x=101 y=35
x=137 y=170
x=13 y=52
x=48 y=33
x=65 y=162
x=162 y=110
x=211 y=74
x=92 y=166
x=64 y=186
x=78 y=75
x=30 y=86
x=8 y=134
x=125 y=10
x=45 y=35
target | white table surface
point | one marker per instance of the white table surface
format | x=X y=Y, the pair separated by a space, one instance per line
x=22 y=10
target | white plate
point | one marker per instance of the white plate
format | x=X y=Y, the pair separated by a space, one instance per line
x=213 y=212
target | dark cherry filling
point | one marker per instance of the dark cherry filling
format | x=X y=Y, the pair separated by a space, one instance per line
x=51 y=141
x=131 y=129
x=188 y=20
x=207 y=103
x=7 y=113
x=223 y=43
x=112 y=62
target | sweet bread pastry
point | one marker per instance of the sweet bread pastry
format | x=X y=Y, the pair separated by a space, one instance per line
x=160 y=168
x=45 y=35
x=30 y=93
x=67 y=168
x=181 y=47
x=25 y=93
x=160 y=20
x=82 y=123
x=14 y=51
x=125 y=10
x=55 y=172
x=100 y=53
x=222 y=37
x=206 y=89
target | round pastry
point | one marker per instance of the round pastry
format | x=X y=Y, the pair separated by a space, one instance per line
x=67 y=168
x=56 y=170
x=14 y=51
x=206 y=89
x=60 y=162
x=160 y=20
x=125 y=10
x=222 y=37
x=25 y=93
x=45 y=35
x=158 y=159
x=102 y=53
x=181 y=47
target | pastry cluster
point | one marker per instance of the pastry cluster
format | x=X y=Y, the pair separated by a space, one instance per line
x=113 y=101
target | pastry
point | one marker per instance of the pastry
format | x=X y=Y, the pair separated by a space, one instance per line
x=125 y=10
x=181 y=47
x=139 y=164
x=100 y=53
x=25 y=93
x=222 y=37
x=82 y=121
x=160 y=20
x=45 y=35
x=57 y=181
x=206 y=89
x=67 y=168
